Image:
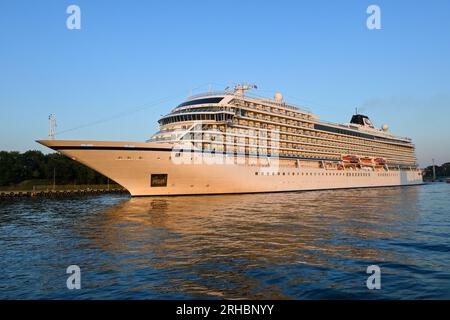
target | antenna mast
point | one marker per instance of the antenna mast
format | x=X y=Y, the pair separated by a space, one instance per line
x=51 y=126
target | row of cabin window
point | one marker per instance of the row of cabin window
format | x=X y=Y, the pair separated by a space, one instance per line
x=387 y=174
x=348 y=174
x=195 y=117
x=296 y=142
x=271 y=109
x=347 y=134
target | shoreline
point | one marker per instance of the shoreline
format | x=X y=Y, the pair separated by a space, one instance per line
x=60 y=191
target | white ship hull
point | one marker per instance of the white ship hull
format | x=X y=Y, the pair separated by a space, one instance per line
x=131 y=164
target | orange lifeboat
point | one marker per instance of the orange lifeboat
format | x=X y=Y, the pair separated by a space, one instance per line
x=350 y=159
x=366 y=160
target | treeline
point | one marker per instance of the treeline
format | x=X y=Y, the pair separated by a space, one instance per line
x=18 y=167
x=441 y=171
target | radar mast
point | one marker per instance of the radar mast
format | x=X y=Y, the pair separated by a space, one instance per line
x=240 y=89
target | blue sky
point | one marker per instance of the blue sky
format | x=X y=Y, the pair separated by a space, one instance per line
x=130 y=55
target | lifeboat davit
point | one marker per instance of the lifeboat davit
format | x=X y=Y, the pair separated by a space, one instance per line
x=380 y=161
x=350 y=159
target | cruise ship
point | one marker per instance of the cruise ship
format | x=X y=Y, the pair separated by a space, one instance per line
x=233 y=141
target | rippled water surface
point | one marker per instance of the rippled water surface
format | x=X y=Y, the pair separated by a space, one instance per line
x=307 y=245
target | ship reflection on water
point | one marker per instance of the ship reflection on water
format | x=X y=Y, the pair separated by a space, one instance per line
x=263 y=246
x=240 y=246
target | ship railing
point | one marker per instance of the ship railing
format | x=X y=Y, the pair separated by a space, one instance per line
x=208 y=94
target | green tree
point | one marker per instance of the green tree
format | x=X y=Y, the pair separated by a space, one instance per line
x=16 y=167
